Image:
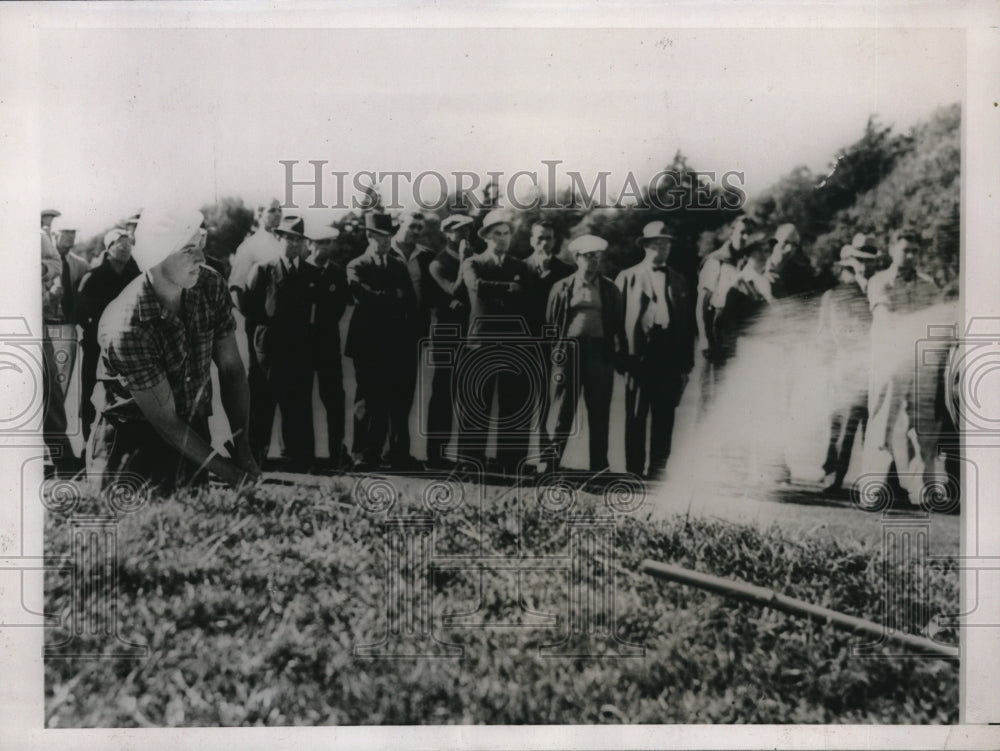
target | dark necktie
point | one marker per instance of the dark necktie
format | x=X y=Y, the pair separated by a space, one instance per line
x=67 y=283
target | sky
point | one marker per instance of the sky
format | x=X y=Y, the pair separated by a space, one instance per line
x=132 y=117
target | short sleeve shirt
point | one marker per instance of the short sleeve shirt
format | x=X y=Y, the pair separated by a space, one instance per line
x=142 y=343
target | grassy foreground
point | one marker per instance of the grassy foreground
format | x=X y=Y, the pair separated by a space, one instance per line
x=252 y=607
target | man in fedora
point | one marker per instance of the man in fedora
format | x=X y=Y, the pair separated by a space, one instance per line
x=659 y=350
x=379 y=342
x=159 y=339
x=585 y=307
x=501 y=292
x=98 y=288
x=844 y=333
x=331 y=298
x=450 y=301
x=279 y=303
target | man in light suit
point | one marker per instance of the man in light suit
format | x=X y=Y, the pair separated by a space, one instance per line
x=659 y=350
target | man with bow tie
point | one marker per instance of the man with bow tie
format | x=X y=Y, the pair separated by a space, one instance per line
x=379 y=340
x=659 y=350
x=279 y=300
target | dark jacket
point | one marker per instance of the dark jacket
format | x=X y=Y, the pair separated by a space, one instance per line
x=612 y=313
x=385 y=307
x=331 y=298
x=499 y=295
x=548 y=276
x=280 y=303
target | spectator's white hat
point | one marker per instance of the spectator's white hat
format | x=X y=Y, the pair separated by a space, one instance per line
x=586 y=244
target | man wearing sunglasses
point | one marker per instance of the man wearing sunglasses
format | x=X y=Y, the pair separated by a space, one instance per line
x=158 y=341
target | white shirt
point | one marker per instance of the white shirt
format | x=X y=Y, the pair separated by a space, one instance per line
x=661 y=311
x=261 y=247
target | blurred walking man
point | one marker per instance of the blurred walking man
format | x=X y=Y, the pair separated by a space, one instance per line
x=585 y=307
x=158 y=340
x=331 y=298
x=718 y=274
x=896 y=406
x=451 y=319
x=791 y=272
x=279 y=300
x=501 y=293
x=378 y=340
x=844 y=332
x=659 y=350
x=99 y=287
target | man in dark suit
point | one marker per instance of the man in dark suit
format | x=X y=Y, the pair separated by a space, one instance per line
x=451 y=317
x=279 y=299
x=417 y=258
x=332 y=296
x=378 y=341
x=501 y=292
x=659 y=350
x=585 y=308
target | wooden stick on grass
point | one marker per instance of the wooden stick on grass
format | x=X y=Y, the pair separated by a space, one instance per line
x=771 y=599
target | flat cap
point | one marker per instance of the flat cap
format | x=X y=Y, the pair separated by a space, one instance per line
x=786 y=233
x=456 y=221
x=111 y=237
x=324 y=233
x=493 y=218
x=587 y=244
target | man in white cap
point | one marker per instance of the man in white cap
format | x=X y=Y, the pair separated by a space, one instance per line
x=844 y=333
x=501 y=292
x=98 y=288
x=279 y=301
x=158 y=340
x=585 y=307
x=330 y=301
x=378 y=340
x=659 y=350
x=450 y=302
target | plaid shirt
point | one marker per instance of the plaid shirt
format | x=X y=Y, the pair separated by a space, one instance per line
x=142 y=343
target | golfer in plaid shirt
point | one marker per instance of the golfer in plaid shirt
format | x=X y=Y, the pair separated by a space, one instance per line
x=158 y=340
